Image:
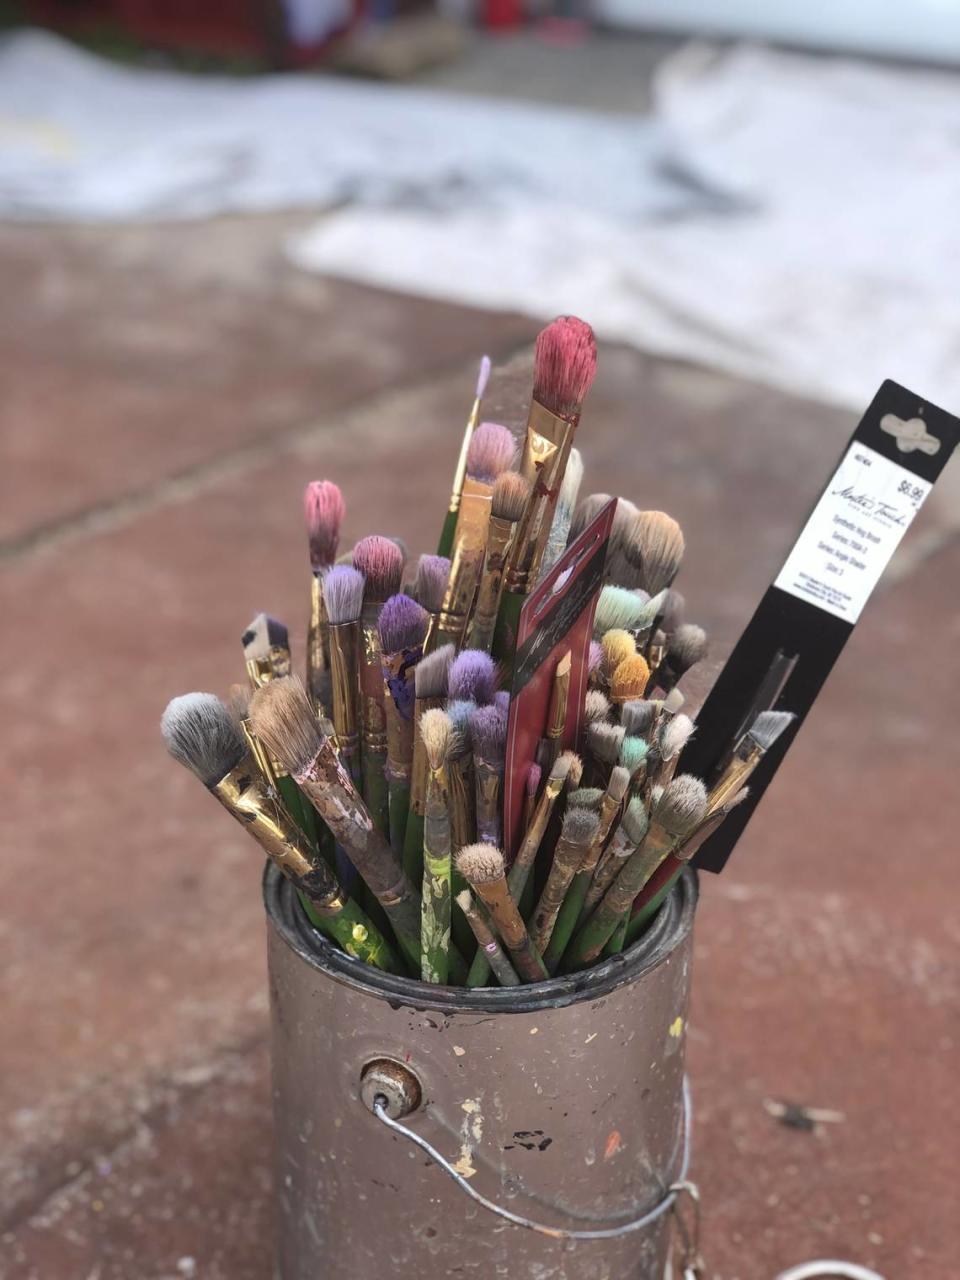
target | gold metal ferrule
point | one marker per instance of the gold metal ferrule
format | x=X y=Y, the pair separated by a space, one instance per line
x=245 y=795
x=345 y=684
x=421 y=766
x=484 y=618
x=546 y=449
x=466 y=566
x=400 y=730
x=734 y=776
x=318 y=645
x=259 y=753
x=461 y=471
x=373 y=718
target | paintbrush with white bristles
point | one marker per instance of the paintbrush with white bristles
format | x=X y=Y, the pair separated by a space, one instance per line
x=450 y=521
x=439 y=738
x=430 y=677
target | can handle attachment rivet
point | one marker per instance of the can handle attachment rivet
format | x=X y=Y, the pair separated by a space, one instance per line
x=395 y=1084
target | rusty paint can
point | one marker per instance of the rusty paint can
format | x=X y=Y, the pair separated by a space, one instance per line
x=561 y=1102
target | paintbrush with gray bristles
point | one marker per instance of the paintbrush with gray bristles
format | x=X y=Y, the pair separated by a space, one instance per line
x=201 y=735
x=430 y=679
x=577 y=832
x=585 y=798
x=678 y=810
x=653 y=544
x=759 y=738
x=603 y=742
x=685 y=648
x=431 y=582
x=596 y=707
x=638 y=717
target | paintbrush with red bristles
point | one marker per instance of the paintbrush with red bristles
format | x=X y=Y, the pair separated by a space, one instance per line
x=323 y=509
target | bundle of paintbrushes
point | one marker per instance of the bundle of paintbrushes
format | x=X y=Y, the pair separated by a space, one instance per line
x=476 y=780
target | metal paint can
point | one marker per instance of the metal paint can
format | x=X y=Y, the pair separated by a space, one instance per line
x=561 y=1102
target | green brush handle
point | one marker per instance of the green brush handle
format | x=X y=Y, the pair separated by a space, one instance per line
x=567 y=919
x=356 y=933
x=505 y=633
x=518 y=880
x=638 y=923
x=413 y=847
x=435 y=928
x=399 y=808
x=463 y=935
x=376 y=793
x=617 y=938
x=445 y=544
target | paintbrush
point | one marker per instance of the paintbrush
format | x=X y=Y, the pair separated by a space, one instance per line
x=380 y=561
x=450 y=522
x=638 y=717
x=488 y=733
x=430 y=687
x=200 y=734
x=463 y=802
x=343 y=601
x=616 y=646
x=566 y=773
x=323 y=509
x=629 y=680
x=596 y=707
x=751 y=749
x=563 y=516
x=402 y=627
x=677 y=811
x=673 y=737
x=482 y=866
x=685 y=648
x=618 y=610
x=430 y=582
x=511 y=493
x=491 y=453
x=238 y=705
x=437 y=732
x=602 y=742
x=473 y=678
x=487 y=944
x=764 y=699
x=633 y=757
x=530 y=792
x=594 y=665
x=672 y=611
x=577 y=832
x=586 y=798
x=565 y=362
x=653 y=545
x=283 y=717
x=550 y=744
x=571 y=911
x=649 y=901
x=626 y=839
x=266 y=649
x=584 y=514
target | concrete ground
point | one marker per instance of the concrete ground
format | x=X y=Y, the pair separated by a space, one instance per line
x=168 y=391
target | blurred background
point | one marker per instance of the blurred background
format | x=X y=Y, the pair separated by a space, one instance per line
x=243 y=246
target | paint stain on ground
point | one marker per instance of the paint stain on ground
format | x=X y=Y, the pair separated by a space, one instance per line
x=614 y=1145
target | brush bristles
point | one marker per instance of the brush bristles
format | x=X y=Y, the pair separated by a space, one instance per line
x=654 y=545
x=635 y=821
x=569 y=768
x=594 y=657
x=464 y=901
x=672 y=612
x=617 y=610
x=432 y=673
x=572 y=480
x=492 y=451
x=488 y=731
x=430 y=583
x=585 y=512
x=618 y=782
x=650 y=610
x=343 y=594
x=768 y=726
x=579 y=825
x=381 y=561
x=585 y=797
x=402 y=624
x=460 y=710
x=630 y=679
x=637 y=717
x=682 y=805
x=673 y=702
x=473 y=675
x=564 y=365
x=323 y=509
x=596 y=707
x=483 y=377
x=480 y=863
x=200 y=734
x=676 y=734
x=263 y=634
x=617 y=647
x=284 y=719
x=511 y=492
x=739 y=798
x=439 y=736
x=238 y=702
x=534 y=776
x=688 y=645
x=605 y=741
x=633 y=752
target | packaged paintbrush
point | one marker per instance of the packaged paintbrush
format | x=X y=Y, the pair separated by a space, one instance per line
x=556 y=620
